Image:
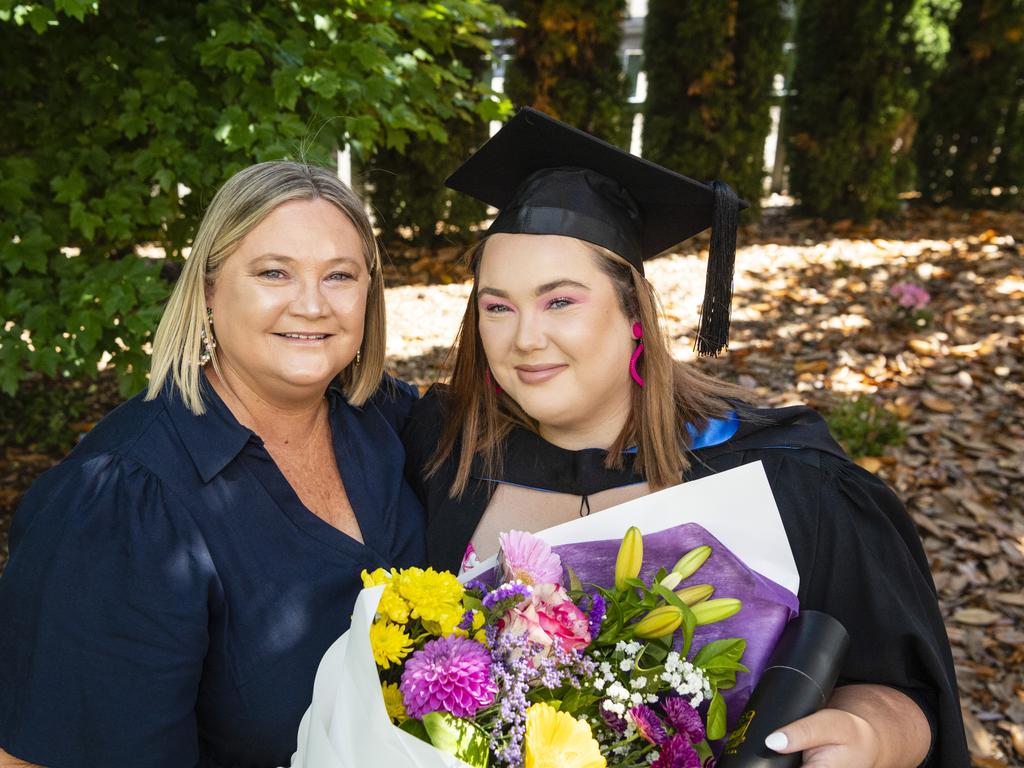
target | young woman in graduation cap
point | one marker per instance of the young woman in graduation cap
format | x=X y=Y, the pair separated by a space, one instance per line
x=564 y=399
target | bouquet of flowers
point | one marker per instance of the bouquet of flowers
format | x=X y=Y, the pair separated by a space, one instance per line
x=601 y=641
x=528 y=671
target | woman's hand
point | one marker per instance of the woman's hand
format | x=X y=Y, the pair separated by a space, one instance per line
x=864 y=726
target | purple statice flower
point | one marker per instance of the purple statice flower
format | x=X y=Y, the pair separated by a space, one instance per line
x=476 y=586
x=466 y=623
x=512 y=674
x=677 y=752
x=449 y=674
x=597 y=613
x=507 y=596
x=683 y=718
x=528 y=559
x=910 y=295
x=613 y=720
x=648 y=724
x=563 y=666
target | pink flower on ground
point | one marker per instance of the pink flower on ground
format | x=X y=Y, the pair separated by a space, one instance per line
x=449 y=674
x=528 y=559
x=550 y=617
x=910 y=295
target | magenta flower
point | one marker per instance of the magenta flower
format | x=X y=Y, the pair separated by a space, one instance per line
x=677 y=752
x=528 y=559
x=648 y=724
x=683 y=718
x=449 y=674
x=910 y=295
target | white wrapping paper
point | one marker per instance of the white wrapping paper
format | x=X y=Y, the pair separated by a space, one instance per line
x=347 y=725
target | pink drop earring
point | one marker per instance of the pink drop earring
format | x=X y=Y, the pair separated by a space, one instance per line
x=638 y=334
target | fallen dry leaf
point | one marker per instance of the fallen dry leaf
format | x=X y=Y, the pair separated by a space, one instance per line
x=976 y=616
x=936 y=403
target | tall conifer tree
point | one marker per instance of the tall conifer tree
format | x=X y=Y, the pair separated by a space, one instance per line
x=972 y=134
x=710 y=67
x=566 y=63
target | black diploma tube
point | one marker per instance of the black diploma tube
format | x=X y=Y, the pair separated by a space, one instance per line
x=797 y=682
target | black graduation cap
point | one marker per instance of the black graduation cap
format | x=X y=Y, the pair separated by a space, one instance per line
x=548 y=178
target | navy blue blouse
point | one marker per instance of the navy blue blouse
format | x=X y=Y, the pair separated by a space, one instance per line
x=168 y=596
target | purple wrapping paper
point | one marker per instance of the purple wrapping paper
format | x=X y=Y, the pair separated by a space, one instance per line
x=766 y=605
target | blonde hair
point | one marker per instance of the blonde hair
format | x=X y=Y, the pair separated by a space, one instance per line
x=674 y=395
x=239 y=206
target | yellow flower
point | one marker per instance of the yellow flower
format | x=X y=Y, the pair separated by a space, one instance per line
x=393 y=702
x=389 y=642
x=558 y=740
x=391 y=606
x=434 y=598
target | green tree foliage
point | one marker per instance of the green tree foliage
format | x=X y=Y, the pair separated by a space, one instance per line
x=566 y=63
x=121 y=119
x=406 y=189
x=861 y=69
x=972 y=134
x=710 y=67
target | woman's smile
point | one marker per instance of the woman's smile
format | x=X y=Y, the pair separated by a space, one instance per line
x=539 y=374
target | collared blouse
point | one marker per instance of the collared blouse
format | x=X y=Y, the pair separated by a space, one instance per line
x=168 y=596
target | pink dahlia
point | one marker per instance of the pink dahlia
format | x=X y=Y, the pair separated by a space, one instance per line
x=528 y=559
x=449 y=674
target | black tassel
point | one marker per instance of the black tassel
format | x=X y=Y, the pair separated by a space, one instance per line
x=713 y=331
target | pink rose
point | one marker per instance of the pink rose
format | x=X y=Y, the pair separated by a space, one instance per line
x=549 y=616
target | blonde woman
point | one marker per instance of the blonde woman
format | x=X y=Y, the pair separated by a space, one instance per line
x=565 y=400
x=174 y=582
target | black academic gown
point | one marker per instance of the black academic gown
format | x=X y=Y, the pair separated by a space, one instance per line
x=856 y=549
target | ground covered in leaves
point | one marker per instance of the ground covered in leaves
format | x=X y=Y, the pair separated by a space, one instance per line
x=930 y=395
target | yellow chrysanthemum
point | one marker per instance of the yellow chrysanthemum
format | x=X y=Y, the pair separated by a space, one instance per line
x=391 y=605
x=389 y=642
x=393 y=702
x=434 y=598
x=558 y=740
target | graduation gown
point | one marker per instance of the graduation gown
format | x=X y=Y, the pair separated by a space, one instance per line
x=856 y=549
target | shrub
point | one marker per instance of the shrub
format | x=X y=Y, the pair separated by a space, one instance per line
x=863 y=426
x=121 y=119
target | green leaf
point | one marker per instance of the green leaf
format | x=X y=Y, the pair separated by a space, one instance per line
x=75 y=8
x=68 y=188
x=459 y=737
x=416 y=728
x=40 y=17
x=716 y=717
x=726 y=649
x=574 y=581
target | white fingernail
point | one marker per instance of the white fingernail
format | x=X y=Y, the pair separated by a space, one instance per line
x=776 y=741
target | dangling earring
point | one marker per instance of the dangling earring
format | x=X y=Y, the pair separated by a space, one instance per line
x=207 y=343
x=638 y=334
x=359 y=356
x=491 y=382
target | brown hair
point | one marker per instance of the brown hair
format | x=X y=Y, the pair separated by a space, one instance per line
x=674 y=394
